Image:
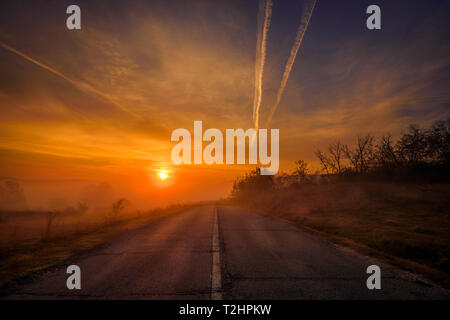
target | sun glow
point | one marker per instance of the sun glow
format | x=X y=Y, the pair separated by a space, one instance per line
x=163 y=174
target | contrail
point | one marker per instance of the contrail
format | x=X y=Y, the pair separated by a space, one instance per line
x=258 y=53
x=306 y=16
x=261 y=56
x=84 y=87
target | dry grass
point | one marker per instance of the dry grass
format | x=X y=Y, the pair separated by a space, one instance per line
x=406 y=221
x=32 y=241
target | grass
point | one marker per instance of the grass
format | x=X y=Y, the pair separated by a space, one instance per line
x=409 y=224
x=33 y=241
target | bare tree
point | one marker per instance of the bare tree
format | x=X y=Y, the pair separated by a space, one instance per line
x=438 y=141
x=362 y=155
x=323 y=160
x=385 y=152
x=118 y=207
x=412 y=146
x=50 y=218
x=302 y=170
x=336 y=158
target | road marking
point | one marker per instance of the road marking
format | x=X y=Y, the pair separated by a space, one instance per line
x=216 y=275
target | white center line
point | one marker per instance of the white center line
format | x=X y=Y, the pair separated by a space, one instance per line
x=216 y=276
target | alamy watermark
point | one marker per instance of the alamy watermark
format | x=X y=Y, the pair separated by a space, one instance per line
x=74 y=280
x=235 y=139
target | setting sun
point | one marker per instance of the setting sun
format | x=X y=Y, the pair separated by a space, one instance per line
x=163 y=174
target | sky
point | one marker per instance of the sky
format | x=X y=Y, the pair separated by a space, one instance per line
x=90 y=112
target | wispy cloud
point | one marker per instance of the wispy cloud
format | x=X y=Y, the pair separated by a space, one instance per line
x=82 y=86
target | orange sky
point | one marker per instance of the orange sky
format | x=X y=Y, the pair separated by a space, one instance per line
x=99 y=105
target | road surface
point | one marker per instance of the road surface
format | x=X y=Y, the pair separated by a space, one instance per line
x=224 y=253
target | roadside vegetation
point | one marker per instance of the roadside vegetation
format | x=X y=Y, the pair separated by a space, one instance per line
x=384 y=197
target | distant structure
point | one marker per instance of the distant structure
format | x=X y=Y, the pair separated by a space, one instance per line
x=12 y=196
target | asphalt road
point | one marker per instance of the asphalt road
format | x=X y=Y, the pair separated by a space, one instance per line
x=225 y=253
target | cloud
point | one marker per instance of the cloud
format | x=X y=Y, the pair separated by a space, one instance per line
x=84 y=87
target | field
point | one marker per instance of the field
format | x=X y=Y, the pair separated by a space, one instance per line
x=33 y=240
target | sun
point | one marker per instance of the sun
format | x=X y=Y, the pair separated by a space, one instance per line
x=163 y=174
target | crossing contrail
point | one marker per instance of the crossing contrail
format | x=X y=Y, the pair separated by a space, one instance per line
x=84 y=87
x=261 y=46
x=306 y=16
